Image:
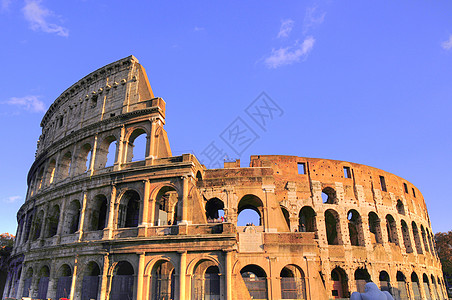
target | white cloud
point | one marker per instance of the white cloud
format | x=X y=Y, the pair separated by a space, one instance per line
x=289 y=55
x=12 y=199
x=286 y=28
x=29 y=103
x=5 y=4
x=198 y=28
x=447 y=45
x=312 y=18
x=37 y=15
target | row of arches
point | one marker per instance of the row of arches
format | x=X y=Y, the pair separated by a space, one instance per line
x=434 y=288
x=81 y=158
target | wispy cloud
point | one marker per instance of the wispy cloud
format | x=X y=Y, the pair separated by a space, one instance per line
x=5 y=5
x=289 y=55
x=198 y=28
x=312 y=18
x=29 y=103
x=12 y=199
x=286 y=28
x=37 y=16
x=447 y=45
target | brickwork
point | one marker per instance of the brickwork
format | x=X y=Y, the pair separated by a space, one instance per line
x=99 y=224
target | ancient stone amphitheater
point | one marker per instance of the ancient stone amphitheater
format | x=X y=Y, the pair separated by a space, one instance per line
x=99 y=222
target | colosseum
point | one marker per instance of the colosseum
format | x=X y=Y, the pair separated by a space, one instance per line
x=101 y=221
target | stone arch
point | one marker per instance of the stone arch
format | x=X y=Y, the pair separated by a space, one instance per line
x=385 y=281
x=362 y=276
x=136 y=132
x=214 y=209
x=424 y=238
x=122 y=284
x=50 y=174
x=91 y=280
x=64 y=167
x=340 y=283
x=199 y=175
x=417 y=239
x=129 y=209
x=391 y=227
x=37 y=226
x=72 y=219
x=415 y=286
x=99 y=211
x=333 y=227
x=205 y=277
x=53 y=219
x=40 y=178
x=400 y=207
x=107 y=152
x=43 y=282
x=427 y=287
x=293 y=285
x=255 y=279
x=162 y=281
x=64 y=281
x=286 y=215
x=401 y=290
x=307 y=219
x=375 y=228
x=246 y=206
x=191 y=267
x=406 y=237
x=355 y=228
x=329 y=195
x=27 y=282
x=167 y=209
x=83 y=160
x=434 y=287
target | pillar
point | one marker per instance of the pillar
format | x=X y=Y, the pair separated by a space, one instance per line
x=74 y=279
x=104 y=280
x=228 y=271
x=184 y=200
x=141 y=261
x=83 y=215
x=182 y=271
x=93 y=156
x=108 y=232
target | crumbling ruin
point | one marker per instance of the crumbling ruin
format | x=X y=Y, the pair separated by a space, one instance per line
x=101 y=222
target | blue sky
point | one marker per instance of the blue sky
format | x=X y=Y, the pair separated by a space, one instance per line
x=361 y=81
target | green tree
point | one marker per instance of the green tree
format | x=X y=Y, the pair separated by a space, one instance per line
x=444 y=248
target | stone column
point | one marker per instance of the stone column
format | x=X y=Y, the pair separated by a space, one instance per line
x=51 y=290
x=61 y=219
x=74 y=279
x=228 y=274
x=108 y=232
x=184 y=214
x=120 y=149
x=93 y=156
x=104 y=280
x=146 y=196
x=21 y=283
x=83 y=215
x=142 y=257
x=182 y=271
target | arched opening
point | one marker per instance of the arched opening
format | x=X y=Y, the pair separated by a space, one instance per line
x=64 y=282
x=306 y=220
x=129 y=210
x=198 y=176
x=355 y=228
x=83 y=159
x=65 y=165
x=40 y=178
x=50 y=172
x=391 y=227
x=206 y=281
x=415 y=286
x=400 y=207
x=329 y=196
x=428 y=292
x=430 y=242
x=293 y=284
x=166 y=207
x=255 y=280
x=401 y=291
x=106 y=152
x=250 y=211
x=43 y=282
x=122 y=283
x=375 y=228
x=214 y=210
x=333 y=228
x=286 y=216
x=434 y=287
x=28 y=223
x=90 y=283
x=37 y=226
x=137 y=145
x=424 y=238
x=52 y=221
x=340 y=283
x=27 y=283
x=99 y=213
x=361 y=278
x=162 y=281
x=385 y=282
x=406 y=237
x=72 y=217
x=417 y=239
